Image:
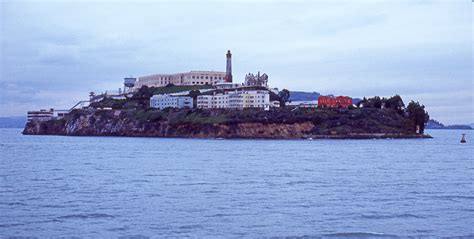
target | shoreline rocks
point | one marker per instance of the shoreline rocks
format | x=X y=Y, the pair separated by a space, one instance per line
x=323 y=124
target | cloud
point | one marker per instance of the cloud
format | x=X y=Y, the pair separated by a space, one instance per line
x=419 y=49
x=54 y=54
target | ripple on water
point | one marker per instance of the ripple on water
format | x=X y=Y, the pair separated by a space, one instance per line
x=140 y=181
x=234 y=188
x=357 y=235
x=390 y=216
x=8 y=225
x=190 y=227
x=455 y=197
x=86 y=216
x=134 y=237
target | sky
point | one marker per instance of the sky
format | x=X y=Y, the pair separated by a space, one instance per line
x=54 y=53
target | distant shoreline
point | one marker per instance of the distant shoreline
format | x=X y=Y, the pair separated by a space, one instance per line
x=447 y=128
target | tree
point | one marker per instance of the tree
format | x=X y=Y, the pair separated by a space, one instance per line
x=418 y=115
x=377 y=102
x=144 y=92
x=362 y=103
x=395 y=102
x=194 y=94
x=284 y=96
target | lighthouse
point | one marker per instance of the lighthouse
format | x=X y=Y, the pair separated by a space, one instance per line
x=228 y=69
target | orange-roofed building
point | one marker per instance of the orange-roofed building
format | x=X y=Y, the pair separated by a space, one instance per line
x=334 y=102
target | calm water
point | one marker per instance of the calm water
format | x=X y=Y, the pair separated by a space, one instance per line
x=112 y=186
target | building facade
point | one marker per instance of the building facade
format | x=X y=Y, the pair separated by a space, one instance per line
x=41 y=115
x=256 y=80
x=168 y=101
x=235 y=100
x=334 y=102
x=188 y=78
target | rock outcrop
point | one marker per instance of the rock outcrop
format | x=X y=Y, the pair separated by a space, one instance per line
x=227 y=124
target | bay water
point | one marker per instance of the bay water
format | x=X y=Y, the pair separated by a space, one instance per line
x=53 y=186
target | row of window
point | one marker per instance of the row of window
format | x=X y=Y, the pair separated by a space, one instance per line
x=200 y=83
x=207 y=77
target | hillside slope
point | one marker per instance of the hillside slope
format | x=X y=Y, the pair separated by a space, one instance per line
x=248 y=123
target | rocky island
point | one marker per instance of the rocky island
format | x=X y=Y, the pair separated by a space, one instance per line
x=276 y=123
x=208 y=104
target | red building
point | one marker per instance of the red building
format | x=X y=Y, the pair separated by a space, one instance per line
x=334 y=102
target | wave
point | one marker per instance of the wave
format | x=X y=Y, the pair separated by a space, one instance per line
x=358 y=235
x=345 y=235
x=52 y=206
x=11 y=225
x=454 y=197
x=13 y=203
x=86 y=216
x=134 y=237
x=404 y=215
x=190 y=227
x=139 y=181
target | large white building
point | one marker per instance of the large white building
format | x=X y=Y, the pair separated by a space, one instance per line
x=235 y=100
x=168 y=101
x=188 y=78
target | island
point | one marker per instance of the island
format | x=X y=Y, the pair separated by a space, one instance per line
x=208 y=104
x=371 y=118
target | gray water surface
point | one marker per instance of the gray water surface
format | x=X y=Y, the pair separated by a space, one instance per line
x=115 y=186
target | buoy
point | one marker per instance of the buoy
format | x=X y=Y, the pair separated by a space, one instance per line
x=463 y=140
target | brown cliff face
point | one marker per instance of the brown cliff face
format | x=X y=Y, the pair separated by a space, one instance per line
x=193 y=124
x=83 y=127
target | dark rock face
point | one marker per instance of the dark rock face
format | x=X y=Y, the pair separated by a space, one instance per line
x=227 y=124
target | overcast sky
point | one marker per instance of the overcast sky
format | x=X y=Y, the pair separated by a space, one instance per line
x=54 y=53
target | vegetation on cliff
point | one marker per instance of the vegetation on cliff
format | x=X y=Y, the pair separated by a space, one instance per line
x=133 y=117
x=414 y=111
x=247 y=123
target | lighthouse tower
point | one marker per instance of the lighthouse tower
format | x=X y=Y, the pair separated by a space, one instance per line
x=228 y=69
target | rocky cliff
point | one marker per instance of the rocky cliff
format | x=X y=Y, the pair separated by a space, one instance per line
x=278 y=124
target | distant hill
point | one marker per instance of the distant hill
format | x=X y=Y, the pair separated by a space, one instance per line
x=12 y=122
x=458 y=126
x=311 y=96
x=434 y=124
x=303 y=96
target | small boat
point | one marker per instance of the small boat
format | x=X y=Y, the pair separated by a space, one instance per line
x=463 y=139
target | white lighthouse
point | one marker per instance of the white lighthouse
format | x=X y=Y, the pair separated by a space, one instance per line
x=228 y=69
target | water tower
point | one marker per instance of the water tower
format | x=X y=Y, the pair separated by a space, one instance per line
x=128 y=84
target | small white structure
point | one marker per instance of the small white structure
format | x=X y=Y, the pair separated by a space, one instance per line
x=41 y=115
x=275 y=104
x=165 y=101
x=304 y=104
x=235 y=100
x=227 y=85
x=45 y=115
